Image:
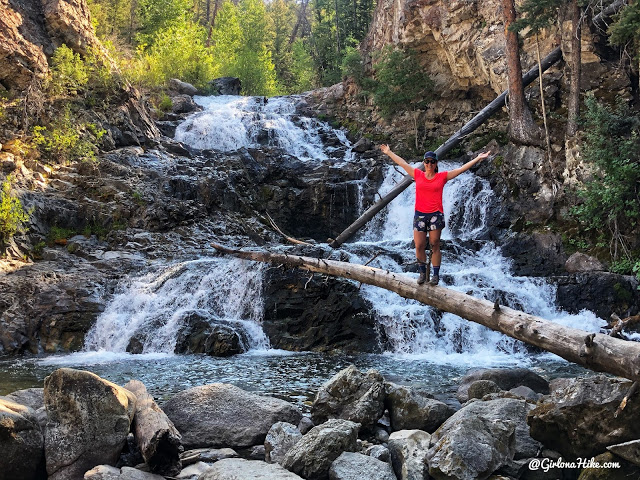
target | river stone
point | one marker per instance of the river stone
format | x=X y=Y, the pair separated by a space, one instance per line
x=351 y=395
x=223 y=415
x=89 y=419
x=21 y=442
x=624 y=470
x=480 y=388
x=408 y=450
x=577 y=420
x=182 y=87
x=505 y=378
x=305 y=425
x=355 y=466
x=240 y=469
x=102 y=472
x=226 y=86
x=412 y=409
x=210 y=455
x=630 y=451
x=32 y=398
x=579 y=262
x=379 y=452
x=312 y=456
x=281 y=437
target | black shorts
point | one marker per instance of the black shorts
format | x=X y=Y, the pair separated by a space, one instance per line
x=423 y=222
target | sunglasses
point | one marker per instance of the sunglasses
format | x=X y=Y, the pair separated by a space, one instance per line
x=430 y=160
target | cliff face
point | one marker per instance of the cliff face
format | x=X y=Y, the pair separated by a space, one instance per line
x=30 y=31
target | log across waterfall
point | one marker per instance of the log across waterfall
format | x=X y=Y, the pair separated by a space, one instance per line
x=597 y=352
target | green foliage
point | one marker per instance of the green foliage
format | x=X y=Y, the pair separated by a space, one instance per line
x=636 y=270
x=155 y=16
x=401 y=83
x=12 y=214
x=622 y=266
x=60 y=235
x=62 y=142
x=536 y=15
x=612 y=147
x=626 y=28
x=69 y=74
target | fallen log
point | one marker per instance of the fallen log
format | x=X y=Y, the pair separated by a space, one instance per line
x=159 y=441
x=595 y=351
x=454 y=140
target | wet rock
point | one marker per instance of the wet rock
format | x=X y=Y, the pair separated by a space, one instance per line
x=203 y=334
x=505 y=378
x=577 y=420
x=89 y=419
x=355 y=466
x=412 y=409
x=408 y=449
x=536 y=255
x=209 y=455
x=281 y=437
x=222 y=415
x=225 y=86
x=363 y=145
x=237 y=468
x=630 y=451
x=351 y=395
x=181 y=87
x=579 y=262
x=312 y=456
x=21 y=442
x=183 y=104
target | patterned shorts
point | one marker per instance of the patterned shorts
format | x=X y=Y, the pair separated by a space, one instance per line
x=423 y=222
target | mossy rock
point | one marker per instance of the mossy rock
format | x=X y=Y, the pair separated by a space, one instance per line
x=626 y=470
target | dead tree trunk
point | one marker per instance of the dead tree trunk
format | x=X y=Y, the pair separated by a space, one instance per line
x=158 y=439
x=598 y=352
x=447 y=146
x=576 y=68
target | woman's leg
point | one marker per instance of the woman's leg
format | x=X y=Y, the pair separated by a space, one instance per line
x=420 y=239
x=436 y=255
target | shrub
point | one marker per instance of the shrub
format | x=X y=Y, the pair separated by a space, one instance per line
x=69 y=73
x=61 y=142
x=12 y=214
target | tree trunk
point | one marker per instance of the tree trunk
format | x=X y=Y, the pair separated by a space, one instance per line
x=212 y=22
x=301 y=16
x=576 y=69
x=454 y=140
x=522 y=128
x=595 y=351
x=158 y=439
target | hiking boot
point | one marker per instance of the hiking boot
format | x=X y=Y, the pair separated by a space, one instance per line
x=422 y=278
x=434 y=280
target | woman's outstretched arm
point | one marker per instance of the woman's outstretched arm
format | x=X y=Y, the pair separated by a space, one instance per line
x=399 y=160
x=454 y=173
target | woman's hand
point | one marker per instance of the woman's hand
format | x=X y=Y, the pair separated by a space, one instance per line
x=384 y=148
x=482 y=156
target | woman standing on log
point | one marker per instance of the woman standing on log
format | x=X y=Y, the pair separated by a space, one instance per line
x=429 y=214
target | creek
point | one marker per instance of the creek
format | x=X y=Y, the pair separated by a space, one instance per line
x=425 y=347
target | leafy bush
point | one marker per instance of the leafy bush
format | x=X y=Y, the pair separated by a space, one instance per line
x=12 y=214
x=69 y=74
x=62 y=142
x=401 y=83
x=611 y=198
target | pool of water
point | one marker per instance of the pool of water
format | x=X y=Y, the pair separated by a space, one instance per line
x=295 y=377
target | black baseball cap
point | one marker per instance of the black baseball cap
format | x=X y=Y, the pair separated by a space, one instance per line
x=430 y=154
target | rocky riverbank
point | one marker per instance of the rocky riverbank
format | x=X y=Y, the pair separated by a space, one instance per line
x=504 y=424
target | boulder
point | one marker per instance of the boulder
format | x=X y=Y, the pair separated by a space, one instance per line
x=579 y=262
x=412 y=409
x=505 y=378
x=238 y=468
x=21 y=442
x=210 y=455
x=281 y=437
x=311 y=457
x=577 y=419
x=225 y=86
x=480 y=388
x=182 y=88
x=89 y=419
x=204 y=334
x=351 y=395
x=607 y=466
x=630 y=451
x=223 y=415
x=194 y=471
x=107 y=472
x=32 y=398
x=183 y=104
x=408 y=449
x=355 y=466
x=379 y=452
x=363 y=145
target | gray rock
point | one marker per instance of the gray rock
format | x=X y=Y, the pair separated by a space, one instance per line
x=222 y=415
x=209 y=455
x=381 y=435
x=579 y=262
x=408 y=450
x=257 y=453
x=480 y=388
x=129 y=473
x=30 y=397
x=412 y=409
x=526 y=393
x=182 y=87
x=630 y=451
x=226 y=86
x=102 y=472
x=183 y=104
x=193 y=472
x=89 y=419
x=240 y=469
x=305 y=425
x=355 y=466
x=505 y=378
x=351 y=395
x=577 y=420
x=379 y=452
x=281 y=437
x=363 y=145
x=312 y=456
x=21 y=442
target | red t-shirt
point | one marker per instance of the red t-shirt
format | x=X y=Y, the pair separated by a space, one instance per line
x=429 y=191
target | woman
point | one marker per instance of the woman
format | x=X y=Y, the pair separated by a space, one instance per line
x=429 y=215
